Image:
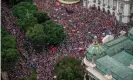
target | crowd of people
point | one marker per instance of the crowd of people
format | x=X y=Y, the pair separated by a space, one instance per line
x=80 y=25
x=9 y=21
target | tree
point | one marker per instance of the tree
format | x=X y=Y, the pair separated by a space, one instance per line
x=36 y=35
x=41 y=17
x=68 y=68
x=26 y=22
x=9 y=53
x=24 y=9
x=14 y=2
x=44 y=35
x=54 y=33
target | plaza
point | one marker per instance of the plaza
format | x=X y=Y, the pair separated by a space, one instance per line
x=81 y=24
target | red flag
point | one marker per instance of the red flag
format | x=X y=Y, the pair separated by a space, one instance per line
x=57 y=4
x=53 y=49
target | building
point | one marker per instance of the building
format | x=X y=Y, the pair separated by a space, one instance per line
x=112 y=60
x=121 y=9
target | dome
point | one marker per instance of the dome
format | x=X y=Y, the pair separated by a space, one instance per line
x=94 y=51
x=69 y=1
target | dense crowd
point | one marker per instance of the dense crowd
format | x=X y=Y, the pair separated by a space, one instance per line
x=9 y=21
x=80 y=25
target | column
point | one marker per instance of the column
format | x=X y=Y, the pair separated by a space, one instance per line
x=97 y=3
x=112 y=7
x=117 y=7
x=106 y=6
x=88 y=3
x=101 y=4
x=84 y=3
x=126 y=13
x=108 y=2
x=112 y=3
x=117 y=10
x=115 y=4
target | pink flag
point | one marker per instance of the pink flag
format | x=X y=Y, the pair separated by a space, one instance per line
x=82 y=23
x=57 y=4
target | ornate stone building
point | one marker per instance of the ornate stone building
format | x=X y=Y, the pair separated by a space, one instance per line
x=112 y=60
x=121 y=9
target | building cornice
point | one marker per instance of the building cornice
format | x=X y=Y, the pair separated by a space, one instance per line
x=127 y=2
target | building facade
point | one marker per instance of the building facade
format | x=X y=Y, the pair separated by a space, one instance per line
x=112 y=60
x=121 y=9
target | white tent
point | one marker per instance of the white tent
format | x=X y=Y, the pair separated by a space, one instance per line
x=107 y=38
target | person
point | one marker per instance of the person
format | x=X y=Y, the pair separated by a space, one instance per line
x=69 y=11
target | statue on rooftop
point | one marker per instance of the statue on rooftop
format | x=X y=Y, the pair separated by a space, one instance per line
x=94 y=51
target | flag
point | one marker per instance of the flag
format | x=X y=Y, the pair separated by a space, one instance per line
x=57 y=4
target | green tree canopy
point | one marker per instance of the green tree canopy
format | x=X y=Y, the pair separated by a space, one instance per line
x=14 y=2
x=36 y=34
x=9 y=53
x=68 y=68
x=47 y=34
x=26 y=22
x=41 y=17
x=24 y=9
x=54 y=33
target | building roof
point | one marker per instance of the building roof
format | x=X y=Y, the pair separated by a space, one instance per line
x=117 y=45
x=94 y=51
x=131 y=62
x=123 y=57
x=131 y=31
x=116 y=41
x=108 y=65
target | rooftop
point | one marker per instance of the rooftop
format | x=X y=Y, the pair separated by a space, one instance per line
x=109 y=65
x=123 y=57
x=116 y=41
